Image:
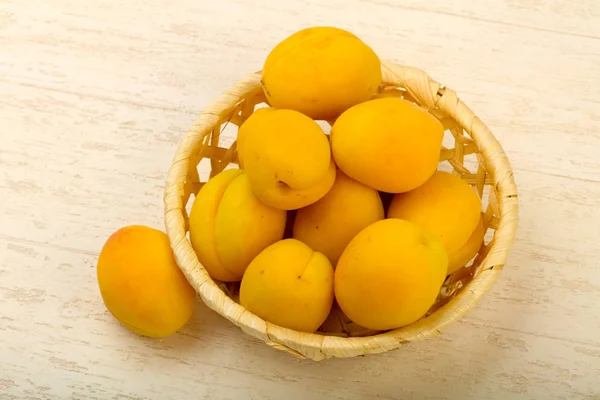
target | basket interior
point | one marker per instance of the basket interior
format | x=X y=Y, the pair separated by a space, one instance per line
x=459 y=155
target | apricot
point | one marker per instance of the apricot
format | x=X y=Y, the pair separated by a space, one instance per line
x=446 y=205
x=321 y=72
x=229 y=226
x=389 y=144
x=390 y=274
x=290 y=285
x=328 y=225
x=459 y=258
x=287 y=158
x=141 y=284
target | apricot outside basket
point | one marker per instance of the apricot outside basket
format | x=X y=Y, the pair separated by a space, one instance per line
x=470 y=150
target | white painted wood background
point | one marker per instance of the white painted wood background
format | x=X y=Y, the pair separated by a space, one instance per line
x=94 y=97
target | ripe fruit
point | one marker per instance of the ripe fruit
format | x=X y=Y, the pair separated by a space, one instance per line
x=389 y=144
x=329 y=224
x=321 y=71
x=229 y=226
x=141 y=284
x=463 y=255
x=390 y=274
x=289 y=284
x=445 y=205
x=287 y=158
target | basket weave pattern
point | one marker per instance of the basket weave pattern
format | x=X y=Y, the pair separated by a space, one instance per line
x=475 y=155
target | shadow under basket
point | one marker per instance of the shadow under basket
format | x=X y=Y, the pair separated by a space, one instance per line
x=470 y=151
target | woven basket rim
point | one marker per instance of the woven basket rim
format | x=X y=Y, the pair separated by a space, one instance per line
x=316 y=346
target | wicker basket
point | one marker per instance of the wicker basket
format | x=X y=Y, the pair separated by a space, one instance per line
x=470 y=150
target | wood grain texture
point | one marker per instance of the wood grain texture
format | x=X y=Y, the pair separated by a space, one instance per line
x=94 y=98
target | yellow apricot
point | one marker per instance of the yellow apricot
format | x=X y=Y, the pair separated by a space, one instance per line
x=389 y=144
x=390 y=274
x=290 y=285
x=328 y=225
x=229 y=226
x=287 y=158
x=460 y=257
x=446 y=205
x=321 y=71
x=141 y=284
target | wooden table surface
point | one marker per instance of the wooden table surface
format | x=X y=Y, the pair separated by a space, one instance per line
x=94 y=99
